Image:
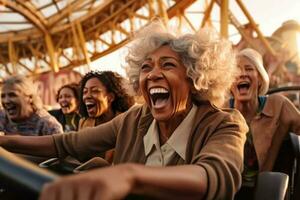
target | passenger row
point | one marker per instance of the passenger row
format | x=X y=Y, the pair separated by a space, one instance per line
x=184 y=142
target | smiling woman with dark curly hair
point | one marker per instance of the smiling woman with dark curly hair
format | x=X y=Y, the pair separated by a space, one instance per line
x=102 y=97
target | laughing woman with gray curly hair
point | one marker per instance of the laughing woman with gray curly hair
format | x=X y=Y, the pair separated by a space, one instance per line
x=179 y=144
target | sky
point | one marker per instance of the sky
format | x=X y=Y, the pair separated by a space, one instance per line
x=269 y=14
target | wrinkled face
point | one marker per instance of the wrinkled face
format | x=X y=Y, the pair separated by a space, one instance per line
x=96 y=98
x=67 y=100
x=16 y=104
x=246 y=85
x=164 y=84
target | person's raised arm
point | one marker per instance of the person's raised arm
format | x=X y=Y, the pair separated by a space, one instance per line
x=32 y=145
x=177 y=182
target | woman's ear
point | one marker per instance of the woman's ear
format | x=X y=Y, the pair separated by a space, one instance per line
x=111 y=97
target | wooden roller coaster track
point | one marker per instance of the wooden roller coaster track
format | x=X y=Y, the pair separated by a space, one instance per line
x=61 y=41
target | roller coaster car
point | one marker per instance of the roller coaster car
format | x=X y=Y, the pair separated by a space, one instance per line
x=283 y=183
x=20 y=179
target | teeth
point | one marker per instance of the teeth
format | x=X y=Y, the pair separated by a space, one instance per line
x=244 y=82
x=158 y=90
x=9 y=107
x=89 y=103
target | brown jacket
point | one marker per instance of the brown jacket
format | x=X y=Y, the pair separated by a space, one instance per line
x=278 y=117
x=215 y=143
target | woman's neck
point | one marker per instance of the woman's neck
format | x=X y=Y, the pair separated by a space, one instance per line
x=69 y=116
x=247 y=108
x=108 y=115
x=167 y=128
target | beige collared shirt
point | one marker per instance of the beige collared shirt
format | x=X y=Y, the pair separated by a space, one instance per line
x=157 y=155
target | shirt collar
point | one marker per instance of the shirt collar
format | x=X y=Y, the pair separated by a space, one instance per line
x=150 y=137
x=268 y=110
x=179 y=138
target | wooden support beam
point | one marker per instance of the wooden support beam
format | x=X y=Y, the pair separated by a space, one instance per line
x=34 y=51
x=51 y=53
x=224 y=18
x=76 y=46
x=189 y=23
x=82 y=43
x=104 y=42
x=2 y=60
x=14 y=23
x=25 y=67
x=27 y=13
x=140 y=16
x=122 y=30
x=162 y=11
x=28 y=5
x=179 y=17
x=207 y=13
x=65 y=12
x=97 y=25
x=111 y=16
x=7 y=70
x=113 y=33
x=253 y=24
x=12 y=56
x=56 y=6
x=179 y=6
x=150 y=9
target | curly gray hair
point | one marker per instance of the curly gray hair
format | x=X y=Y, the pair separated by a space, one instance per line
x=210 y=61
x=27 y=86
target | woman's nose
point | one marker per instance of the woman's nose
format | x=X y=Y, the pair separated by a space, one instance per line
x=243 y=72
x=155 y=74
x=88 y=93
x=62 y=99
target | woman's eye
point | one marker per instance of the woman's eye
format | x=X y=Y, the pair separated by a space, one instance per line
x=145 y=66
x=169 y=64
x=95 y=91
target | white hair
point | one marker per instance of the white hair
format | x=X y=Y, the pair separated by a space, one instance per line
x=256 y=59
x=27 y=86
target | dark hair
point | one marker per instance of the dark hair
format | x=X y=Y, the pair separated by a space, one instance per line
x=72 y=86
x=113 y=82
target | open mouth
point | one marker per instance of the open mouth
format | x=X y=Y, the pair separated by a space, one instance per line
x=11 y=109
x=243 y=87
x=90 y=106
x=65 y=105
x=159 y=97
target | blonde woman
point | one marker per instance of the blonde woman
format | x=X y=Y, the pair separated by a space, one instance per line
x=269 y=117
